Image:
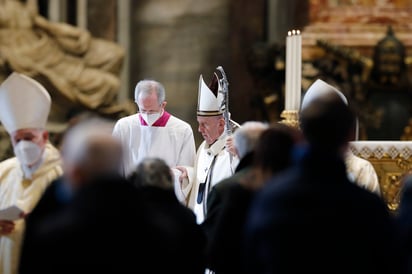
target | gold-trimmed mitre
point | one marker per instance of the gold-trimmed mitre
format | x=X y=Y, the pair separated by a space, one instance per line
x=210 y=98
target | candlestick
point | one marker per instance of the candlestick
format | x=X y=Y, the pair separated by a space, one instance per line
x=294 y=72
x=298 y=87
x=288 y=71
x=293 y=78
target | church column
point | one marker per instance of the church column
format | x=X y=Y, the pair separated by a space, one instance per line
x=284 y=16
x=110 y=20
x=81 y=14
x=278 y=17
x=57 y=11
x=123 y=38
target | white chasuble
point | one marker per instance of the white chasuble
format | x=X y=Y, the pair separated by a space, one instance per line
x=213 y=164
x=25 y=193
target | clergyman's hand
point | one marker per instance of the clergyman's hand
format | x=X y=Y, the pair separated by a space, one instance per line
x=230 y=147
x=184 y=175
x=6 y=227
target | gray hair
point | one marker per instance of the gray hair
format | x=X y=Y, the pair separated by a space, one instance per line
x=246 y=137
x=90 y=145
x=145 y=87
x=153 y=172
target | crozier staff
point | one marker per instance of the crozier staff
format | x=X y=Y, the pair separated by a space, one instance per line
x=213 y=161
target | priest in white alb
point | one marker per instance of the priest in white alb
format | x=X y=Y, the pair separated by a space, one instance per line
x=155 y=133
x=24 y=109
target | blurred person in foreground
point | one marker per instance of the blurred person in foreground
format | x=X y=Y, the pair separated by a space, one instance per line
x=404 y=219
x=24 y=109
x=54 y=198
x=102 y=218
x=175 y=231
x=268 y=151
x=243 y=141
x=359 y=170
x=312 y=218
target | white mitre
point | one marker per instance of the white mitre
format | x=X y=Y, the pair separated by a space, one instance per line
x=318 y=89
x=24 y=103
x=209 y=104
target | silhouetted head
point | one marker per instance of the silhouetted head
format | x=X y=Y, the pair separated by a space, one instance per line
x=274 y=147
x=153 y=172
x=327 y=122
x=90 y=151
x=246 y=137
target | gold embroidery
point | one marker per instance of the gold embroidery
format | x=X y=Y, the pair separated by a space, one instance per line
x=26 y=183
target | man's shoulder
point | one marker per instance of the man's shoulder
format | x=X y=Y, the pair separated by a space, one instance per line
x=9 y=168
x=177 y=122
x=360 y=194
x=227 y=184
x=127 y=119
x=126 y=123
x=283 y=183
x=202 y=145
x=360 y=167
x=356 y=160
x=8 y=164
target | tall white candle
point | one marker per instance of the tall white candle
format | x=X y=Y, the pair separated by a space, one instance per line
x=298 y=70
x=293 y=80
x=288 y=80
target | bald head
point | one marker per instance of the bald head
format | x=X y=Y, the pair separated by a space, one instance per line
x=246 y=137
x=89 y=150
x=153 y=172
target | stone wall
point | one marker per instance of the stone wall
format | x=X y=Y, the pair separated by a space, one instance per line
x=174 y=41
x=102 y=18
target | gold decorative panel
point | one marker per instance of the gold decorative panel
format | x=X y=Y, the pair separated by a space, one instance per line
x=392 y=162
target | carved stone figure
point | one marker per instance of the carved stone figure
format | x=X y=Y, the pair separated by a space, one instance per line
x=79 y=71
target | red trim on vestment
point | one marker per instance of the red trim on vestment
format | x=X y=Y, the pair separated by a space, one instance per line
x=161 y=122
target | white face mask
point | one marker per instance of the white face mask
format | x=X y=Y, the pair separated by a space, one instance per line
x=151 y=118
x=27 y=152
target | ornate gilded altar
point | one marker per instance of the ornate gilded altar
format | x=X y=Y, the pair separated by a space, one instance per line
x=392 y=161
x=364 y=49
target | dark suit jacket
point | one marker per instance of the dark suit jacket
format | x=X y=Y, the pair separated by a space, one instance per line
x=404 y=218
x=312 y=219
x=110 y=226
x=179 y=242
x=52 y=201
x=228 y=203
